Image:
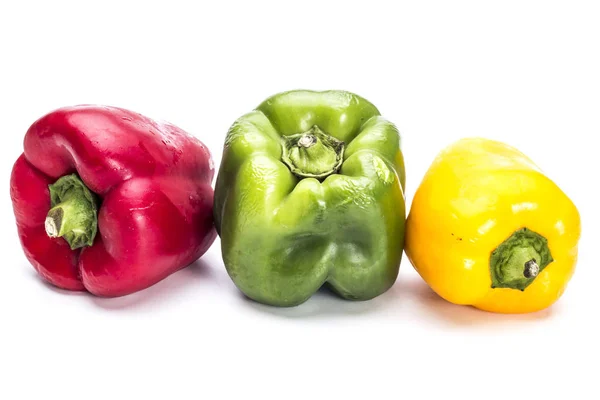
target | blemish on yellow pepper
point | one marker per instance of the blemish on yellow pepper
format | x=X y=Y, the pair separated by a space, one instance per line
x=487 y=228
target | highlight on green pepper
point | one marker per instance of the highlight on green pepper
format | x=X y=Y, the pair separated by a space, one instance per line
x=311 y=192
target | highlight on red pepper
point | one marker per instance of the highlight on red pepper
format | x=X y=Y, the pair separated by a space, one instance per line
x=110 y=201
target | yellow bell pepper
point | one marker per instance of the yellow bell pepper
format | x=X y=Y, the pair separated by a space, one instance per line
x=487 y=228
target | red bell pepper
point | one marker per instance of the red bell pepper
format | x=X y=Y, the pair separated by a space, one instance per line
x=144 y=186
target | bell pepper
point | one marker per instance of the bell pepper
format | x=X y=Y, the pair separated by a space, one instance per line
x=310 y=191
x=487 y=228
x=109 y=201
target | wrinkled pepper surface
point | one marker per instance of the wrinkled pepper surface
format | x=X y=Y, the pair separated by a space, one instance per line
x=487 y=228
x=110 y=201
x=310 y=190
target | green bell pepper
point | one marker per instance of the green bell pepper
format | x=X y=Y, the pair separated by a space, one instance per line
x=311 y=190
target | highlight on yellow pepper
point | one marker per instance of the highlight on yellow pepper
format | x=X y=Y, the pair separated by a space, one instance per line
x=487 y=228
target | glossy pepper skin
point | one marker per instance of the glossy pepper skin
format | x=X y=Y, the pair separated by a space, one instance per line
x=150 y=182
x=310 y=190
x=487 y=228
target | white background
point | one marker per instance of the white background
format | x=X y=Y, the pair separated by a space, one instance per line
x=527 y=73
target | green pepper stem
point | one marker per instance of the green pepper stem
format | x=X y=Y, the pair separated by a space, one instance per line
x=307 y=140
x=73 y=215
x=312 y=154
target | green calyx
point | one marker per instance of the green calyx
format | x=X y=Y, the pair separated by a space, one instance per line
x=517 y=261
x=312 y=154
x=74 y=212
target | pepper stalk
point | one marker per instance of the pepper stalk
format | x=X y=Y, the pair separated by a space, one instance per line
x=74 y=212
x=313 y=154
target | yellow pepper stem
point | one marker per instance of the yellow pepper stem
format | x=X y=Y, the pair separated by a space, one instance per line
x=517 y=261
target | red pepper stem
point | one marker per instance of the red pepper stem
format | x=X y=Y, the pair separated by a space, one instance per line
x=73 y=215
